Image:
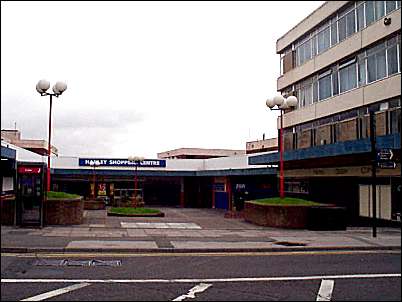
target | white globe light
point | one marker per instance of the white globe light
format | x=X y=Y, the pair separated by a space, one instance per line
x=285 y=105
x=270 y=103
x=42 y=86
x=278 y=100
x=55 y=90
x=61 y=87
x=291 y=101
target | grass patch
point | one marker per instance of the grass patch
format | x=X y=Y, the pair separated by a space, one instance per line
x=61 y=195
x=125 y=210
x=285 y=201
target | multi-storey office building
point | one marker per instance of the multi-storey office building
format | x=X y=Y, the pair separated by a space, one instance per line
x=342 y=61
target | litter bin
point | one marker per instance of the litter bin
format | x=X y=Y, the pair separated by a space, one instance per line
x=326 y=218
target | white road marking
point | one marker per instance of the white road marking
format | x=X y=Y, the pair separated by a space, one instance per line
x=56 y=292
x=200 y=280
x=191 y=293
x=159 y=225
x=325 y=292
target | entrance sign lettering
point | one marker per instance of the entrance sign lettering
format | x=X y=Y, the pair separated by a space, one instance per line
x=147 y=163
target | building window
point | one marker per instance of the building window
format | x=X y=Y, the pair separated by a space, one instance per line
x=353 y=18
x=323 y=38
x=392 y=56
x=390 y=6
x=334 y=32
x=379 y=9
x=362 y=69
x=324 y=85
x=360 y=16
x=369 y=12
x=347 y=76
x=376 y=63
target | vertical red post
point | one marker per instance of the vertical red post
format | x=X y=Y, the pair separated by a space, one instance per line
x=49 y=152
x=94 y=189
x=135 y=185
x=281 y=174
x=182 y=192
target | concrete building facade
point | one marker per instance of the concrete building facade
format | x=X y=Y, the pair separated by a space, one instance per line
x=341 y=62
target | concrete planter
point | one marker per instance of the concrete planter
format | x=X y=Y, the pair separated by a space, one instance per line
x=281 y=216
x=64 y=211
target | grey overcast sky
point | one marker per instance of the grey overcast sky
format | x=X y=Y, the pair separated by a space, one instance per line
x=143 y=77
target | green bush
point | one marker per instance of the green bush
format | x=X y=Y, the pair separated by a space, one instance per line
x=285 y=201
x=61 y=195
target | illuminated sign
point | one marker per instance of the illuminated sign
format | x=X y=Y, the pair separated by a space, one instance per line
x=102 y=162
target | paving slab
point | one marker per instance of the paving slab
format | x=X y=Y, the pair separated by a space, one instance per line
x=99 y=244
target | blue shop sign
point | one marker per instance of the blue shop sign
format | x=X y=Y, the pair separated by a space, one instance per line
x=102 y=162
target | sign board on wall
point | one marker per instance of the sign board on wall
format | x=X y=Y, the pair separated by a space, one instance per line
x=102 y=189
x=104 y=162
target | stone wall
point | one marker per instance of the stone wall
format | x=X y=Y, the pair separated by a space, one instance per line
x=63 y=211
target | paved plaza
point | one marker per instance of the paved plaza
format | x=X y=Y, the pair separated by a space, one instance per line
x=187 y=230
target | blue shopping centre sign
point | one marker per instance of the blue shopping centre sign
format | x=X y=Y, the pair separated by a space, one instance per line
x=102 y=162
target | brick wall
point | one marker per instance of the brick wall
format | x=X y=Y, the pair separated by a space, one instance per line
x=63 y=211
x=287 y=216
x=7 y=210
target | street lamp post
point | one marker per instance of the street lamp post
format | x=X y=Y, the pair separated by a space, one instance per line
x=58 y=89
x=281 y=104
x=94 y=164
x=136 y=160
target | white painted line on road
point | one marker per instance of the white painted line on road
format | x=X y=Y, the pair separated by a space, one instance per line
x=191 y=293
x=56 y=292
x=325 y=292
x=359 y=276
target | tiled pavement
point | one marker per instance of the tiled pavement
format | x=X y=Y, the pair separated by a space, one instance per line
x=187 y=229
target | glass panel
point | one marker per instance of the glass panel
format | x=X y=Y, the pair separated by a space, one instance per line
x=360 y=17
x=369 y=12
x=371 y=68
x=314 y=45
x=381 y=65
x=379 y=9
x=308 y=94
x=395 y=123
x=398 y=4
x=362 y=72
x=347 y=78
x=392 y=60
x=323 y=40
x=334 y=32
x=324 y=87
x=342 y=28
x=335 y=87
x=350 y=23
x=391 y=5
x=307 y=50
x=315 y=91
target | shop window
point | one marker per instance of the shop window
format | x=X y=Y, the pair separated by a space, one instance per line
x=395 y=121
